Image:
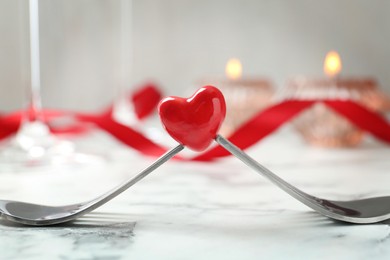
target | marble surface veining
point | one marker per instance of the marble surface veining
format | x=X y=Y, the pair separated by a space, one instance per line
x=219 y=210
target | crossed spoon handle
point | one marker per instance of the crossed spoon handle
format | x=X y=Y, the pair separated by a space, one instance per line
x=194 y=123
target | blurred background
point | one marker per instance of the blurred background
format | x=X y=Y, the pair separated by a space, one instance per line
x=176 y=43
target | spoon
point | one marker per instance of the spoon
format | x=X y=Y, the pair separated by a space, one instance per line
x=194 y=119
x=41 y=215
x=363 y=211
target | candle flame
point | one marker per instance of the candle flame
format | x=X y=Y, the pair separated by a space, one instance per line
x=332 y=64
x=233 y=69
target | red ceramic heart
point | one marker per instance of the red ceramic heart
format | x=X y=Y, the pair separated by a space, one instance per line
x=195 y=121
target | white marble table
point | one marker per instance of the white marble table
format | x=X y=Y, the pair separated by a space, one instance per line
x=220 y=210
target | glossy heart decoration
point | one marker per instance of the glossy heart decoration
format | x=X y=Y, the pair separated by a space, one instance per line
x=195 y=121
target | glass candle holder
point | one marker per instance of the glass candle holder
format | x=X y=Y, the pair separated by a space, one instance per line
x=244 y=98
x=321 y=126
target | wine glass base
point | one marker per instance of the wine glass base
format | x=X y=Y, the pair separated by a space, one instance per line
x=123 y=112
x=34 y=147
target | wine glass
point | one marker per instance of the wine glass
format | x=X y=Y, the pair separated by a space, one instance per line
x=123 y=111
x=34 y=145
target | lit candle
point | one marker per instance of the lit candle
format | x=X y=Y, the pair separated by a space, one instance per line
x=321 y=126
x=233 y=69
x=244 y=96
x=332 y=64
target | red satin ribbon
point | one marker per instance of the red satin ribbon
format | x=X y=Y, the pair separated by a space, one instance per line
x=125 y=134
x=145 y=100
x=260 y=126
x=363 y=118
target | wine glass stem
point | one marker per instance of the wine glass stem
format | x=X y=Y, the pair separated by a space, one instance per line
x=126 y=47
x=34 y=106
x=123 y=109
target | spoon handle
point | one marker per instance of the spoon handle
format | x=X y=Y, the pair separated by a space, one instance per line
x=130 y=182
x=303 y=197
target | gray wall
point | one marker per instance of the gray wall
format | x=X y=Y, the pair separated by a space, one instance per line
x=178 y=42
